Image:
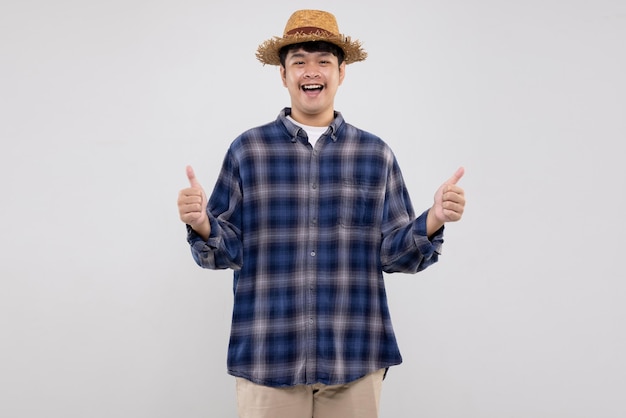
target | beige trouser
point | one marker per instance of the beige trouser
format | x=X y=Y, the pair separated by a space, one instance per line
x=358 y=399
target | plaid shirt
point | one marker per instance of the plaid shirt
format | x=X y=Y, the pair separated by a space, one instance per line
x=308 y=232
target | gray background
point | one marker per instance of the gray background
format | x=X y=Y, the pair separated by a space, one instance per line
x=103 y=312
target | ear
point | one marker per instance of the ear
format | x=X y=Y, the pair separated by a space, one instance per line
x=283 y=75
x=342 y=72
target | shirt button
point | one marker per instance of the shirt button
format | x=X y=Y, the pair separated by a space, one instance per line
x=314 y=186
x=314 y=221
x=313 y=253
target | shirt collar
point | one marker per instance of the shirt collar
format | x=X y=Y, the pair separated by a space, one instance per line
x=295 y=131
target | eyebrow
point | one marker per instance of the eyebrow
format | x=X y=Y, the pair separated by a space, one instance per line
x=302 y=54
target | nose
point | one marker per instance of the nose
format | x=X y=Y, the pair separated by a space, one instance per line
x=311 y=72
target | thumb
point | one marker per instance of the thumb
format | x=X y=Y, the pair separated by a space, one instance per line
x=193 y=181
x=456 y=176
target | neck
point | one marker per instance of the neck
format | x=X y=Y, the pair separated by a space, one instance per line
x=319 y=119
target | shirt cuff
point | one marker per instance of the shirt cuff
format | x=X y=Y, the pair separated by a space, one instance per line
x=198 y=243
x=426 y=245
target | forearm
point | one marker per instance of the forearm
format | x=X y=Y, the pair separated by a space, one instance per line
x=203 y=230
x=432 y=223
x=221 y=250
x=408 y=249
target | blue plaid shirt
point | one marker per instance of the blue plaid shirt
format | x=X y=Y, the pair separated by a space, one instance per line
x=308 y=232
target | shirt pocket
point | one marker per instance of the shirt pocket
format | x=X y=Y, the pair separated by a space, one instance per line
x=359 y=204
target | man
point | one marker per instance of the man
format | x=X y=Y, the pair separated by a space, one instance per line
x=309 y=212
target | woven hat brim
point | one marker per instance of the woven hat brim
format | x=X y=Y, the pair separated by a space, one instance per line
x=268 y=51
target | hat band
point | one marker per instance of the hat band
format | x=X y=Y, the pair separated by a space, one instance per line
x=309 y=30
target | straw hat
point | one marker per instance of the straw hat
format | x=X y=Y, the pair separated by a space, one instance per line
x=306 y=26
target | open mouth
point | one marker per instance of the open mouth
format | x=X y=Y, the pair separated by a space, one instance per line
x=312 y=87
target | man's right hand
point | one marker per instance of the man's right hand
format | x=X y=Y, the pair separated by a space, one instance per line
x=192 y=205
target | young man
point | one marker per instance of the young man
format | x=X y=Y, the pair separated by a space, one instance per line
x=309 y=211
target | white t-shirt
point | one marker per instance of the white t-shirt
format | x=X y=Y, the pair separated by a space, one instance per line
x=313 y=132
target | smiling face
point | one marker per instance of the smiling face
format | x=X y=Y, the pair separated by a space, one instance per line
x=312 y=79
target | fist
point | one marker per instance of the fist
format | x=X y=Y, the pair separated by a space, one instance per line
x=450 y=199
x=192 y=203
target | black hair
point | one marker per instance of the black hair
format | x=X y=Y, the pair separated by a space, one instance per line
x=312 y=46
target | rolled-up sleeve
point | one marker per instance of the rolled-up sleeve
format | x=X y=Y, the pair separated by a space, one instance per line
x=406 y=247
x=224 y=248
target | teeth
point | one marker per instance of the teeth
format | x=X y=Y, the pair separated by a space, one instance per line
x=312 y=87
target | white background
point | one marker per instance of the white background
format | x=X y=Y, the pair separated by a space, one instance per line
x=103 y=312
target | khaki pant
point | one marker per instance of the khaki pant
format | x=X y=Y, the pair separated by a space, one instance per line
x=358 y=399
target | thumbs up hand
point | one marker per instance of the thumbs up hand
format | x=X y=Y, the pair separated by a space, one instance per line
x=192 y=205
x=449 y=203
